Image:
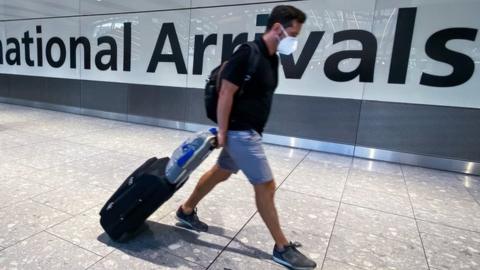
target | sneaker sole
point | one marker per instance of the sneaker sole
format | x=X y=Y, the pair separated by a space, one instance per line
x=185 y=222
x=284 y=263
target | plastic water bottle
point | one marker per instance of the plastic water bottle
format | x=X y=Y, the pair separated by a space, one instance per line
x=184 y=153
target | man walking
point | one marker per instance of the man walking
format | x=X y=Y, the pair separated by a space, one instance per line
x=241 y=121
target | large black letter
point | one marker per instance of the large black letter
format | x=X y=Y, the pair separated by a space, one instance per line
x=112 y=53
x=401 y=45
x=63 y=52
x=127 y=45
x=463 y=65
x=199 y=51
x=1 y=53
x=15 y=50
x=168 y=31
x=27 y=40
x=229 y=46
x=262 y=20
x=39 y=47
x=86 y=51
x=367 y=57
x=295 y=71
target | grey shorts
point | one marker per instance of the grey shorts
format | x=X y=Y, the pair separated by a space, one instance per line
x=244 y=151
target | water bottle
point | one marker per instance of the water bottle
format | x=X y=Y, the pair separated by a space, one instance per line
x=184 y=153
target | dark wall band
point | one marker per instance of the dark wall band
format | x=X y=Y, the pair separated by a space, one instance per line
x=437 y=131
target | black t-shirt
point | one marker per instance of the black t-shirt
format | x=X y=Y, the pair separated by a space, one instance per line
x=251 y=109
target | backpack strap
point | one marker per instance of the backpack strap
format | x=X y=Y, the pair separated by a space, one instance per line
x=253 y=59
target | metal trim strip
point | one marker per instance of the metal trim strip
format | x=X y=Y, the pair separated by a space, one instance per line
x=453 y=165
x=41 y=105
x=460 y=166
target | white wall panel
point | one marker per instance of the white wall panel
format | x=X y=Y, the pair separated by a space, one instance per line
x=2 y=10
x=432 y=16
x=220 y=21
x=331 y=17
x=62 y=28
x=113 y=6
x=145 y=31
x=20 y=9
x=328 y=16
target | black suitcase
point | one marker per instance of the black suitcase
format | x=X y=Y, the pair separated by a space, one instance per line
x=143 y=192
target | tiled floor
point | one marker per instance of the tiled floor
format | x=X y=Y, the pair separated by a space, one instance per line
x=57 y=169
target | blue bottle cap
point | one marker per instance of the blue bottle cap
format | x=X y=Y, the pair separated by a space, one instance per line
x=185 y=157
x=213 y=131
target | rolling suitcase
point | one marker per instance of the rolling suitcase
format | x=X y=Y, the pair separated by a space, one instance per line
x=148 y=187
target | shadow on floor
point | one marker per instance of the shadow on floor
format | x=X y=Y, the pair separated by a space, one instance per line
x=154 y=239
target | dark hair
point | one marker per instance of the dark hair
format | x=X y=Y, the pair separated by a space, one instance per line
x=285 y=15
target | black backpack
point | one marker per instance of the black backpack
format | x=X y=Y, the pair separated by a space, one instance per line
x=213 y=82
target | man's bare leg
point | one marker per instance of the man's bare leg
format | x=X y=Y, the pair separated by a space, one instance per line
x=264 y=197
x=206 y=183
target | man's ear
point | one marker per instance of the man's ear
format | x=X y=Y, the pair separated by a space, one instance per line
x=278 y=30
x=277 y=27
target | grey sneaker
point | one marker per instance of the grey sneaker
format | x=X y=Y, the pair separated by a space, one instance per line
x=191 y=221
x=292 y=258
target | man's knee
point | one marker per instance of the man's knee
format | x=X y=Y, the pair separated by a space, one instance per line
x=220 y=174
x=267 y=188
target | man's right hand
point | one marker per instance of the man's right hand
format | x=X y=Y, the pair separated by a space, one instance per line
x=221 y=139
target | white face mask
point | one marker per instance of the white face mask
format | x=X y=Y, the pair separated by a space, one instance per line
x=288 y=44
